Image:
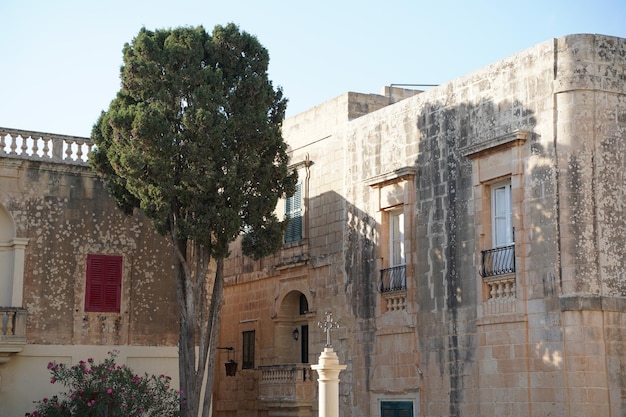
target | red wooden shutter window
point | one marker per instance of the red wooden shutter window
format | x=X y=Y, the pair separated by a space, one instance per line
x=104 y=283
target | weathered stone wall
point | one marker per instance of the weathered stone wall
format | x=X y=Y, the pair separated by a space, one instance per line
x=591 y=135
x=66 y=213
x=550 y=120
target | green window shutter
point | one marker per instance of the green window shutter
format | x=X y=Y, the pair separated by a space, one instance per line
x=293 y=211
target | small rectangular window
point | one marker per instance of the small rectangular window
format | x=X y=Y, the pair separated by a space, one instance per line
x=293 y=212
x=247 y=361
x=396 y=409
x=103 y=283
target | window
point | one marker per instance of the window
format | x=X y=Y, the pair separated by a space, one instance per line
x=396 y=236
x=103 y=283
x=248 y=350
x=501 y=216
x=396 y=409
x=293 y=212
x=500 y=258
x=394 y=277
x=497 y=177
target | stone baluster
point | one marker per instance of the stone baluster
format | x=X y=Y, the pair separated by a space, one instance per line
x=10 y=322
x=13 y=145
x=68 y=150
x=24 y=146
x=46 y=148
x=35 y=148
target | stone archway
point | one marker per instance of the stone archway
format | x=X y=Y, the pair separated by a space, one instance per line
x=292 y=329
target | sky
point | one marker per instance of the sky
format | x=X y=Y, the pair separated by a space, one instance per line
x=60 y=59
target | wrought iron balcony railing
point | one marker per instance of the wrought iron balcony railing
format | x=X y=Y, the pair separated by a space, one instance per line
x=393 y=279
x=498 y=261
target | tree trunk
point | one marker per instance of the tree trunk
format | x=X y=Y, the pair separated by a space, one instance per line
x=186 y=344
x=215 y=315
x=199 y=321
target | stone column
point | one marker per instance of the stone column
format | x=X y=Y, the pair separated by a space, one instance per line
x=328 y=370
x=19 y=247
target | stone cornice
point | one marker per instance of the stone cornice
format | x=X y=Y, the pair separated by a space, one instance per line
x=497 y=143
x=400 y=174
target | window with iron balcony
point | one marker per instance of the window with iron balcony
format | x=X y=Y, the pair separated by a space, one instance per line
x=395 y=194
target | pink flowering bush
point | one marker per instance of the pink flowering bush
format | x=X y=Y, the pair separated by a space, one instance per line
x=108 y=390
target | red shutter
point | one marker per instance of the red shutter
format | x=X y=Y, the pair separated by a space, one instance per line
x=103 y=284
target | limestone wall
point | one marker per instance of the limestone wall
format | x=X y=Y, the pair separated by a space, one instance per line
x=550 y=122
x=64 y=213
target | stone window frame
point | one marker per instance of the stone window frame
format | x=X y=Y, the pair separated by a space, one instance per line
x=395 y=191
x=109 y=291
x=303 y=168
x=80 y=282
x=494 y=162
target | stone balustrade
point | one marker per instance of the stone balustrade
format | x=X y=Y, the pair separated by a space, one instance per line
x=12 y=331
x=286 y=386
x=396 y=300
x=47 y=147
x=501 y=293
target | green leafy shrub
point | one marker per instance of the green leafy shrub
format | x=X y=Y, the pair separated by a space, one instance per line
x=108 y=390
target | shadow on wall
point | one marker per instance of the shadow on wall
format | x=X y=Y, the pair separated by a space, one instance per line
x=448 y=242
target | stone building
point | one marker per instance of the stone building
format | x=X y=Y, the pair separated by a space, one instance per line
x=58 y=228
x=469 y=239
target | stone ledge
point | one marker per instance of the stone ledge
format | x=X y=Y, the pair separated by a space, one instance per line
x=592 y=302
x=494 y=144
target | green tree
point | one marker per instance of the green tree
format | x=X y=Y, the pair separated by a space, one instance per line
x=193 y=139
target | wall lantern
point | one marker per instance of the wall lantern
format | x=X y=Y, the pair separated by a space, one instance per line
x=231 y=365
x=296 y=333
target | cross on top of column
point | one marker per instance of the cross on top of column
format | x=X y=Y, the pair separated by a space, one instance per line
x=327 y=325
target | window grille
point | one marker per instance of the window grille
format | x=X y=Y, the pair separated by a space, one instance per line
x=498 y=261
x=393 y=279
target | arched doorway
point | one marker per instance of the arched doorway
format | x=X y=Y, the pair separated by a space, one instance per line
x=292 y=329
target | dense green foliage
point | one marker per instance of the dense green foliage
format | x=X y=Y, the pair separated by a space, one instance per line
x=107 y=389
x=193 y=138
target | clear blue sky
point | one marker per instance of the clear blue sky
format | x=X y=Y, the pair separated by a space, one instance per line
x=60 y=59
